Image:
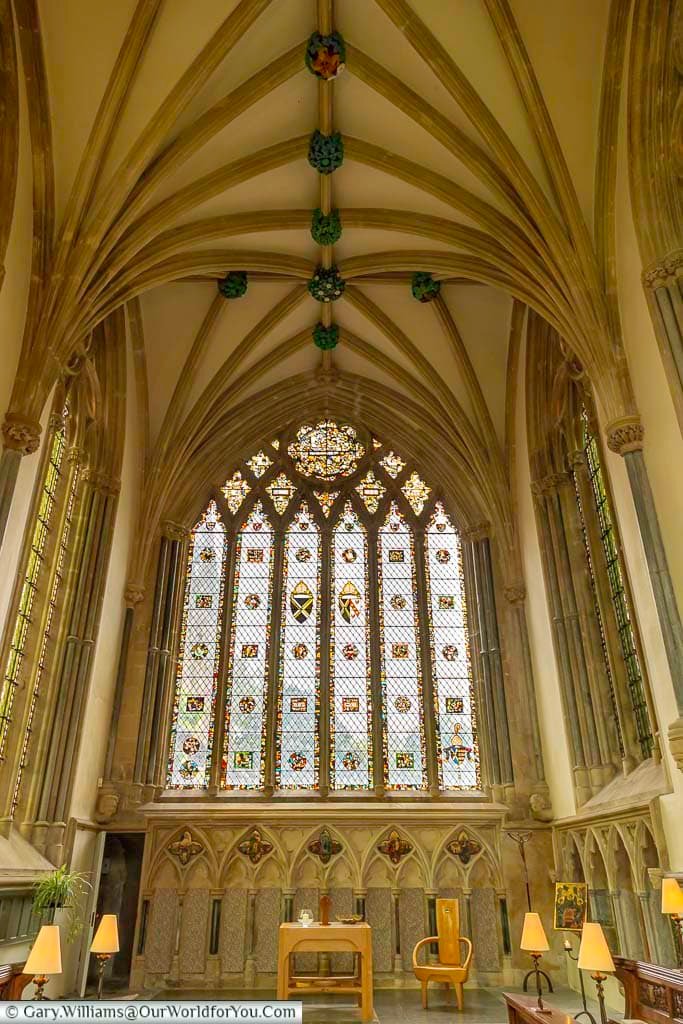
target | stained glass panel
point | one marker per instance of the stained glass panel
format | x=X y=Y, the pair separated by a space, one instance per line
x=235 y=490
x=417 y=492
x=327 y=500
x=404 y=741
x=296 y=765
x=246 y=697
x=350 y=700
x=392 y=464
x=458 y=757
x=259 y=463
x=41 y=531
x=371 y=491
x=281 y=490
x=198 y=656
x=326 y=450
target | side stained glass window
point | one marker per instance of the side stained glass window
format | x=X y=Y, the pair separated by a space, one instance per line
x=36 y=558
x=458 y=759
x=198 y=656
x=297 y=755
x=350 y=696
x=245 y=718
x=403 y=712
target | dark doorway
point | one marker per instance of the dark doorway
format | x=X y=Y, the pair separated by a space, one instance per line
x=118 y=894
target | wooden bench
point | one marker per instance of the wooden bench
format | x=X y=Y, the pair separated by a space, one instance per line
x=13 y=982
x=522 y=1010
x=653 y=994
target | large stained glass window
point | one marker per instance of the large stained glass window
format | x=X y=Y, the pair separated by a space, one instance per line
x=403 y=712
x=350 y=700
x=246 y=700
x=299 y=692
x=41 y=531
x=332 y=609
x=449 y=646
x=199 y=653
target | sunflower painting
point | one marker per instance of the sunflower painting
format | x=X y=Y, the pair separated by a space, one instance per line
x=571 y=904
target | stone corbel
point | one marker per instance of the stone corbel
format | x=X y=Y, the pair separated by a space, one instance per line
x=133 y=594
x=20 y=434
x=664 y=271
x=174 y=531
x=625 y=435
x=676 y=742
x=471 y=534
x=515 y=592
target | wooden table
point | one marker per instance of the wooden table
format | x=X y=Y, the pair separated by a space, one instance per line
x=521 y=1010
x=332 y=938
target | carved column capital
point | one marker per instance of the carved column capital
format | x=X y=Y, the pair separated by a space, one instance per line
x=134 y=593
x=676 y=742
x=20 y=434
x=664 y=271
x=174 y=531
x=471 y=534
x=549 y=484
x=625 y=435
x=515 y=592
x=102 y=482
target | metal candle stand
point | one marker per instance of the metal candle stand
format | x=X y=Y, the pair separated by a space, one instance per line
x=585 y=1012
x=521 y=839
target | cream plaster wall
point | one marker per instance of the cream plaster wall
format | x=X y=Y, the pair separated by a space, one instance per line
x=97 y=721
x=558 y=768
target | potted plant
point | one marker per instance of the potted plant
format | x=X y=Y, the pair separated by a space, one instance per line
x=61 y=890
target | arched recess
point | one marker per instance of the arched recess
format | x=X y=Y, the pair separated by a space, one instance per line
x=599 y=891
x=628 y=908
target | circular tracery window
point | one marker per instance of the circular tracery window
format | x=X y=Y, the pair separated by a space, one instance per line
x=326 y=450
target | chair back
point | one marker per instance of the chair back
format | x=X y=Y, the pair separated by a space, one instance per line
x=448 y=930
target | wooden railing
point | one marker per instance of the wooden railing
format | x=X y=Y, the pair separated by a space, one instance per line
x=653 y=994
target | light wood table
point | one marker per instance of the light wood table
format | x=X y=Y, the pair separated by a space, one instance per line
x=332 y=938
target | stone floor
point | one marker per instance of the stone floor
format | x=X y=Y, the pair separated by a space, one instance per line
x=482 y=1006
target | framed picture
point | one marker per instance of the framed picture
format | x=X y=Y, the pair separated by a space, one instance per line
x=571 y=905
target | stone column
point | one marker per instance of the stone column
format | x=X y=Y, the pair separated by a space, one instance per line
x=396 y=930
x=132 y=595
x=250 y=941
x=543 y=503
x=663 y=282
x=490 y=656
x=158 y=670
x=625 y=437
x=359 y=897
x=85 y=585
x=20 y=436
x=515 y=594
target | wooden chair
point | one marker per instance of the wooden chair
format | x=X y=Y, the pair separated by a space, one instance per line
x=450 y=967
x=13 y=982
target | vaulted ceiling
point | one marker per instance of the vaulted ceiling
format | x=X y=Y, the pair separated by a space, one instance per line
x=180 y=136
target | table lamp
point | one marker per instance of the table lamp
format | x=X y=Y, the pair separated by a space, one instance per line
x=45 y=957
x=104 y=945
x=535 y=942
x=594 y=956
x=672 y=903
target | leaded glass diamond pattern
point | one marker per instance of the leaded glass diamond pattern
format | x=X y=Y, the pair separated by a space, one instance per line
x=296 y=765
x=350 y=701
x=458 y=756
x=417 y=492
x=392 y=464
x=235 y=490
x=193 y=712
x=281 y=490
x=404 y=742
x=371 y=491
x=259 y=463
x=245 y=720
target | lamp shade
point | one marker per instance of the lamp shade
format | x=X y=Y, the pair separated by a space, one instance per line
x=672 y=897
x=107 y=936
x=594 y=954
x=46 y=953
x=533 y=936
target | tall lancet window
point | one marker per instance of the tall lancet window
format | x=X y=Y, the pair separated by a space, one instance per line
x=246 y=699
x=350 y=700
x=450 y=650
x=404 y=734
x=192 y=728
x=299 y=691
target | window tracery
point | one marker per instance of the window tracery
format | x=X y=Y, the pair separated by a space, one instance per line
x=346 y=587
